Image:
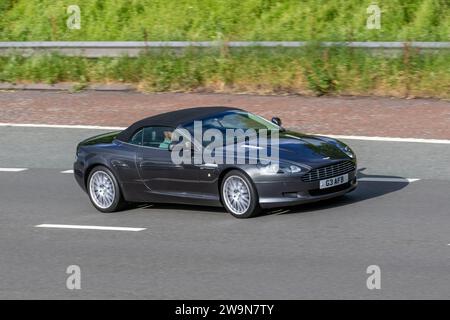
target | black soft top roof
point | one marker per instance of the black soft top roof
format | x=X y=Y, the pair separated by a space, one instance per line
x=172 y=119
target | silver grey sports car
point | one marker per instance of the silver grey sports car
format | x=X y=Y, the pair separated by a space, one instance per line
x=136 y=165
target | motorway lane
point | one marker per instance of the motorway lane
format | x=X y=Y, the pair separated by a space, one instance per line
x=312 y=251
x=41 y=147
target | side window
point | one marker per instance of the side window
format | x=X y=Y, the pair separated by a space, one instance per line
x=137 y=138
x=157 y=137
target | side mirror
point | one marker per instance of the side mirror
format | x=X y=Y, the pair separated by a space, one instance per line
x=277 y=121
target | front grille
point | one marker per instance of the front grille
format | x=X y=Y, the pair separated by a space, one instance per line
x=329 y=171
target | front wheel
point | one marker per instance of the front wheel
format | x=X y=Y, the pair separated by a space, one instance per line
x=104 y=190
x=239 y=196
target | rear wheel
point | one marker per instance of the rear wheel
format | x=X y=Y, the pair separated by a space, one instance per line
x=104 y=190
x=239 y=196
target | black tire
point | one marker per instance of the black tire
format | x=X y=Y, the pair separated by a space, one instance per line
x=250 y=210
x=118 y=202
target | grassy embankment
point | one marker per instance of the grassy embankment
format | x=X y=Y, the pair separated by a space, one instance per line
x=306 y=71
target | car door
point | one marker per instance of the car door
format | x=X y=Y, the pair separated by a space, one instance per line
x=207 y=173
x=158 y=172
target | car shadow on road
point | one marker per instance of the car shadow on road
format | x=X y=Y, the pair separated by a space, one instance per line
x=174 y=206
x=369 y=186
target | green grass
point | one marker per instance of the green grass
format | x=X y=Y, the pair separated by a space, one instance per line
x=316 y=71
x=311 y=70
x=300 y=20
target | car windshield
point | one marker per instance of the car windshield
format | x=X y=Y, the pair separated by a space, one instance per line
x=235 y=120
x=232 y=120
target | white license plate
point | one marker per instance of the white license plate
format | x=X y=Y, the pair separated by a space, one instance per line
x=331 y=182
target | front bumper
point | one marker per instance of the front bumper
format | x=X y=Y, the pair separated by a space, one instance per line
x=274 y=194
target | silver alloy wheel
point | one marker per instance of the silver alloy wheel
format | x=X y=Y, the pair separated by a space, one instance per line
x=102 y=190
x=236 y=194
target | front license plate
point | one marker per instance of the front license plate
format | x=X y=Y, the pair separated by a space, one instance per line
x=328 y=183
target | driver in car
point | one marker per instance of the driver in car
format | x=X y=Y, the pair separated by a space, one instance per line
x=167 y=140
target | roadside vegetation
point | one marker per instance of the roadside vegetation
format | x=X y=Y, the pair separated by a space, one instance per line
x=312 y=70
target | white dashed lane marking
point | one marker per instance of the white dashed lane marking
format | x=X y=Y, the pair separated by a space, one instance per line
x=389 y=179
x=67 y=171
x=12 y=169
x=69 y=226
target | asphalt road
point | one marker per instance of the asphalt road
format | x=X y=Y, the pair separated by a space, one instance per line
x=316 y=251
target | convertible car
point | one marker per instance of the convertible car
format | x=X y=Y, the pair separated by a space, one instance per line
x=135 y=165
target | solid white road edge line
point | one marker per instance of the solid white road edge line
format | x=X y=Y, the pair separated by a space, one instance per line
x=67 y=171
x=68 y=226
x=58 y=126
x=389 y=179
x=12 y=169
x=388 y=139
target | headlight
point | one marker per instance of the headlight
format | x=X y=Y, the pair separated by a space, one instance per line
x=292 y=169
x=275 y=168
x=342 y=146
x=348 y=151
